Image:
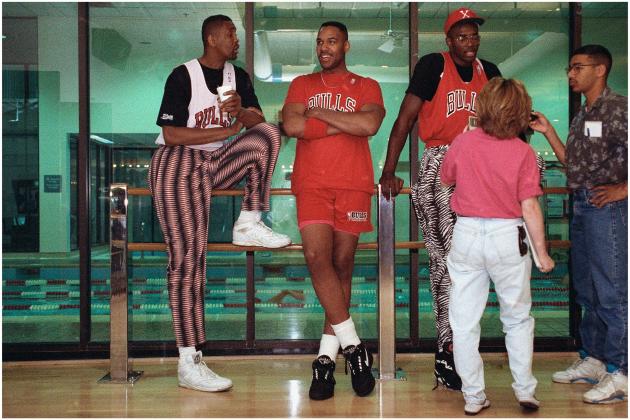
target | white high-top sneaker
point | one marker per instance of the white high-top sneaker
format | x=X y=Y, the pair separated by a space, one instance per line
x=193 y=373
x=258 y=234
x=587 y=370
x=613 y=388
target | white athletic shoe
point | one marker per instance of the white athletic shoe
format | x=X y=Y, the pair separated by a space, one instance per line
x=528 y=402
x=587 y=370
x=473 y=408
x=193 y=373
x=613 y=388
x=258 y=234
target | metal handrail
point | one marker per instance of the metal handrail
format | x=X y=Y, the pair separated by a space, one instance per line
x=228 y=247
x=287 y=191
x=386 y=245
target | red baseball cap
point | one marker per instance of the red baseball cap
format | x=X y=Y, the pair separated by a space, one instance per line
x=461 y=14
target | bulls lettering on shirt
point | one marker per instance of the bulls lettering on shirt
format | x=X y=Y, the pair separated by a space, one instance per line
x=340 y=161
x=203 y=109
x=445 y=116
x=326 y=101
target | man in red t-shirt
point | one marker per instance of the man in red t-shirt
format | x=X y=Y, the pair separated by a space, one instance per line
x=332 y=113
x=441 y=97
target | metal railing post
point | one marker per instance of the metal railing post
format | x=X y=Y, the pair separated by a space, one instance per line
x=386 y=290
x=120 y=371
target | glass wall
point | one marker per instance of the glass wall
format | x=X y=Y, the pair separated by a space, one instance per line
x=133 y=48
x=607 y=24
x=39 y=120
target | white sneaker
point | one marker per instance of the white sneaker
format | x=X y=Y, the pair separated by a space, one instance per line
x=193 y=373
x=258 y=234
x=587 y=370
x=529 y=402
x=613 y=388
x=473 y=408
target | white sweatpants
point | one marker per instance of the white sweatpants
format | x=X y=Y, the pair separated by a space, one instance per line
x=484 y=249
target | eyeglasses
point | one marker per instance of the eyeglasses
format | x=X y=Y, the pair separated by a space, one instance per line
x=578 y=67
x=463 y=38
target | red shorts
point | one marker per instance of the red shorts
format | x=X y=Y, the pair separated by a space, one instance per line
x=345 y=210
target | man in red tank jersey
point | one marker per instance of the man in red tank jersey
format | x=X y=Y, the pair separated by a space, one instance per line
x=332 y=113
x=441 y=97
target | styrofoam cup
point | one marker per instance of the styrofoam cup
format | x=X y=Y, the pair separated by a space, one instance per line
x=221 y=91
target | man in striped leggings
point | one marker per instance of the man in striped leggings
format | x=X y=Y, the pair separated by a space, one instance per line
x=441 y=97
x=193 y=158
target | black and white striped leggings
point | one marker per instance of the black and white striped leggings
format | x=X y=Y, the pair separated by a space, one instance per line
x=432 y=204
x=181 y=180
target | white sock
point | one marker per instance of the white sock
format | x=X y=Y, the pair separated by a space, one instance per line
x=346 y=333
x=186 y=351
x=248 y=216
x=329 y=346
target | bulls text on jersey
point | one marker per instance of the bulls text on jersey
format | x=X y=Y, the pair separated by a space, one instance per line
x=325 y=101
x=457 y=100
x=208 y=117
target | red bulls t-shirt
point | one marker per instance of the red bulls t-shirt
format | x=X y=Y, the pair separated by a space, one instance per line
x=339 y=161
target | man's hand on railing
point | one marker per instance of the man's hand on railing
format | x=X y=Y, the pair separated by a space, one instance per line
x=390 y=185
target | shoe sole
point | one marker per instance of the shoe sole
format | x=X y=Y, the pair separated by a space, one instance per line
x=529 y=405
x=471 y=413
x=221 y=389
x=243 y=243
x=320 y=397
x=576 y=381
x=441 y=387
x=612 y=400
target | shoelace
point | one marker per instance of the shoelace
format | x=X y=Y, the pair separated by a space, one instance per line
x=605 y=381
x=316 y=374
x=577 y=364
x=259 y=226
x=205 y=370
x=349 y=363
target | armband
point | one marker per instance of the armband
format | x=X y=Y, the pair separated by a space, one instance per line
x=315 y=129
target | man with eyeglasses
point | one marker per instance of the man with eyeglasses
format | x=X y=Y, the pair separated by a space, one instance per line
x=596 y=160
x=441 y=97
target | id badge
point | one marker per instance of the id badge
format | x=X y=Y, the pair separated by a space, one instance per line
x=593 y=128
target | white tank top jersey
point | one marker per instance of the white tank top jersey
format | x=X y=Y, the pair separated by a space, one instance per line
x=203 y=109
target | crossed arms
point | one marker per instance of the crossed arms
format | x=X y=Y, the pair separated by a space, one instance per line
x=365 y=122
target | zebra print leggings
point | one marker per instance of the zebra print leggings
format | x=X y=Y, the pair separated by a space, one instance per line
x=432 y=204
x=181 y=180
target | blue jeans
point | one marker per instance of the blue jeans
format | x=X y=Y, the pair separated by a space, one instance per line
x=599 y=263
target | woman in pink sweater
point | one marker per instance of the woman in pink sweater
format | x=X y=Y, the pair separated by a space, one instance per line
x=497 y=184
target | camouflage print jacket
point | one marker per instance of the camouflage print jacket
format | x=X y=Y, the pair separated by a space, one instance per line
x=597 y=147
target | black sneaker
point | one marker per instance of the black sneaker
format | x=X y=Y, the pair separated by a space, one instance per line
x=444 y=371
x=359 y=361
x=323 y=384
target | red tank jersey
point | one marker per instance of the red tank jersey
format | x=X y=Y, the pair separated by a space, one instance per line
x=441 y=119
x=340 y=161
